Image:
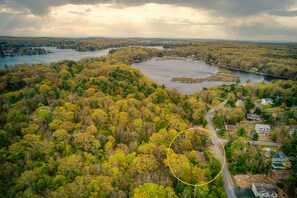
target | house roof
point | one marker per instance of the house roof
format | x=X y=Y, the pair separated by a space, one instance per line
x=262 y=126
x=253 y=115
x=265 y=188
x=280 y=155
x=267 y=99
x=231 y=127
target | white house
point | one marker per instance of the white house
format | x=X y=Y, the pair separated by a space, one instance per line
x=264 y=190
x=266 y=101
x=262 y=128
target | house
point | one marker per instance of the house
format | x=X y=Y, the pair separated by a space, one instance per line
x=231 y=128
x=264 y=190
x=292 y=129
x=279 y=160
x=262 y=128
x=253 y=117
x=266 y=101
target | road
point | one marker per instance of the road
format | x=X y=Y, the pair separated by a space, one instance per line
x=228 y=182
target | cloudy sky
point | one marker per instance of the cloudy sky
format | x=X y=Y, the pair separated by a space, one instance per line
x=218 y=19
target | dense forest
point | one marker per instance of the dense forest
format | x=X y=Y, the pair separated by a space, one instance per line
x=21 y=50
x=277 y=60
x=93 y=128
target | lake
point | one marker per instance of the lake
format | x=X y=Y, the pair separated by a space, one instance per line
x=162 y=70
x=55 y=56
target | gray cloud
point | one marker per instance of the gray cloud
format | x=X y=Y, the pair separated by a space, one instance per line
x=260 y=29
x=291 y=13
x=221 y=7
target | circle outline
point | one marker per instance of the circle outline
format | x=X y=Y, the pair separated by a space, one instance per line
x=205 y=183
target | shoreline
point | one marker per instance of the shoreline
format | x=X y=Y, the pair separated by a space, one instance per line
x=272 y=77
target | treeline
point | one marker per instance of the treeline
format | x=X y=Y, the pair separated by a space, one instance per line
x=92 y=128
x=20 y=50
x=78 y=44
x=279 y=60
x=131 y=55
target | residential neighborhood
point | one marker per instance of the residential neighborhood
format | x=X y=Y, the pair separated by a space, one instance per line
x=263 y=135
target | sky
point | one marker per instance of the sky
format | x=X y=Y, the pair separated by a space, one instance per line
x=208 y=19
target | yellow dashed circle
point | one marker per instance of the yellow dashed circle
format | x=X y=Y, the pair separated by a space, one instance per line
x=201 y=184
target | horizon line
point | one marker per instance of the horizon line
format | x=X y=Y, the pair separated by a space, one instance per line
x=158 y=37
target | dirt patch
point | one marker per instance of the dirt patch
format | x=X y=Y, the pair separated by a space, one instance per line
x=245 y=181
x=264 y=138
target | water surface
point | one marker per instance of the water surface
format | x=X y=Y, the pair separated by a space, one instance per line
x=56 y=55
x=162 y=70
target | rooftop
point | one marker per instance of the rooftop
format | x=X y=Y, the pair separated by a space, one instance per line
x=279 y=155
x=231 y=127
x=262 y=125
x=265 y=188
x=253 y=115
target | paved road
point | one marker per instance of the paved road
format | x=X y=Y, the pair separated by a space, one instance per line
x=228 y=182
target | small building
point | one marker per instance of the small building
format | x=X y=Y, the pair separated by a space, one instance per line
x=264 y=190
x=292 y=129
x=266 y=101
x=254 y=117
x=279 y=160
x=262 y=129
x=231 y=128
